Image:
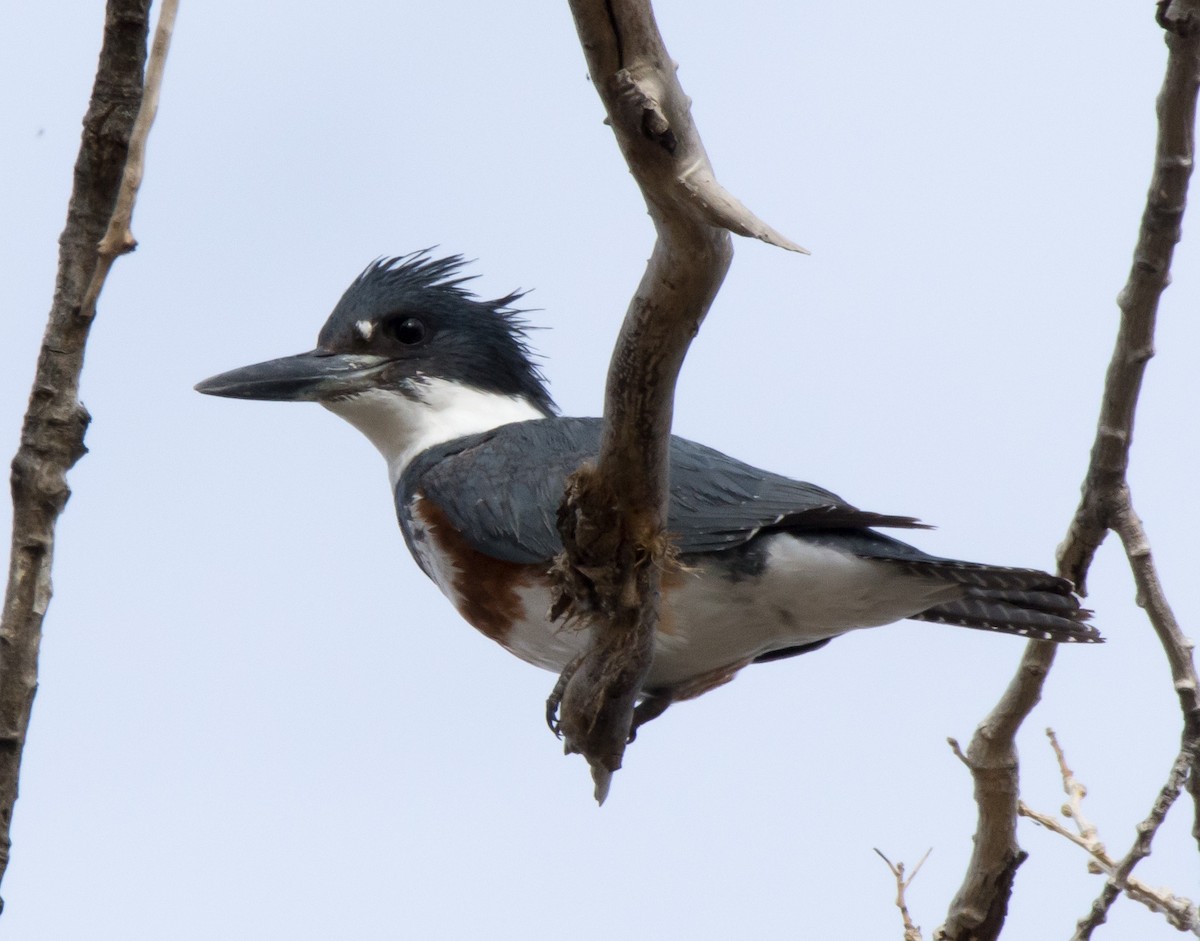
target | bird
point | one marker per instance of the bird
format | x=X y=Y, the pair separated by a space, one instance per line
x=445 y=385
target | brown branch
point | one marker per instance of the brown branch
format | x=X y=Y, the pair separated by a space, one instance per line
x=979 y=908
x=912 y=931
x=107 y=172
x=613 y=514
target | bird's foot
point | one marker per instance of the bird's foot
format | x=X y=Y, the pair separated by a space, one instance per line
x=554 y=700
x=651 y=706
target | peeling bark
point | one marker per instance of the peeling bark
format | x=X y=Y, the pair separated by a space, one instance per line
x=613 y=516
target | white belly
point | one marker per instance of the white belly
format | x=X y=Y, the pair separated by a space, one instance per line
x=805 y=593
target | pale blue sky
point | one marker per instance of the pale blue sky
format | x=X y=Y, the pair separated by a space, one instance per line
x=258 y=719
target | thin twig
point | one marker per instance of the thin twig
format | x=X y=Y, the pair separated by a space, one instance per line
x=1180 y=912
x=979 y=908
x=1076 y=792
x=911 y=931
x=116 y=124
x=118 y=238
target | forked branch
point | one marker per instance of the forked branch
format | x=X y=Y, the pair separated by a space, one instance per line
x=1179 y=912
x=979 y=908
x=613 y=515
x=912 y=931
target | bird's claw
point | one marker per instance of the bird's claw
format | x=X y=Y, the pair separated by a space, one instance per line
x=554 y=700
x=651 y=706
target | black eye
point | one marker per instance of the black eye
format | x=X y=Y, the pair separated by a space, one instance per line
x=410 y=331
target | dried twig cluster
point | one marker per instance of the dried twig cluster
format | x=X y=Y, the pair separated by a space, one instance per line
x=1180 y=912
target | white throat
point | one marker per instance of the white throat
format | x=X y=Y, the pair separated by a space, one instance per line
x=402 y=427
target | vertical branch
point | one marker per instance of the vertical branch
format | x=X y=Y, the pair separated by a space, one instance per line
x=118 y=237
x=614 y=512
x=1138 y=300
x=979 y=908
x=107 y=173
x=1107 y=502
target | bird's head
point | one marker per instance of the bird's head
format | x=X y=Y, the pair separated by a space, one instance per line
x=410 y=357
x=403 y=323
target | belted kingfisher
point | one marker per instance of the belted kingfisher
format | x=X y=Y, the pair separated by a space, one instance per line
x=443 y=384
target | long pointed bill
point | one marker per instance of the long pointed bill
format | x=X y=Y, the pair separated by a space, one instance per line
x=308 y=377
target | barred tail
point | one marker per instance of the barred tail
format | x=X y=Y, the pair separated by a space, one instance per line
x=1027 y=602
x=994 y=611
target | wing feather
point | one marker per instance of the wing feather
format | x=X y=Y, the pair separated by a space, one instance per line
x=501 y=490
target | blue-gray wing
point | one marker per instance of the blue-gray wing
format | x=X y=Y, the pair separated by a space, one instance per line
x=501 y=490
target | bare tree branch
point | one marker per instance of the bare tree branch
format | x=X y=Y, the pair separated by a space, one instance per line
x=107 y=173
x=1075 y=791
x=1175 y=643
x=1180 y=912
x=613 y=515
x=979 y=908
x=1138 y=301
x=118 y=237
x=1106 y=502
x=912 y=931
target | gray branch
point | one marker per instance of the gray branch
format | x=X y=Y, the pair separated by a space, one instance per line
x=107 y=173
x=979 y=908
x=613 y=514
